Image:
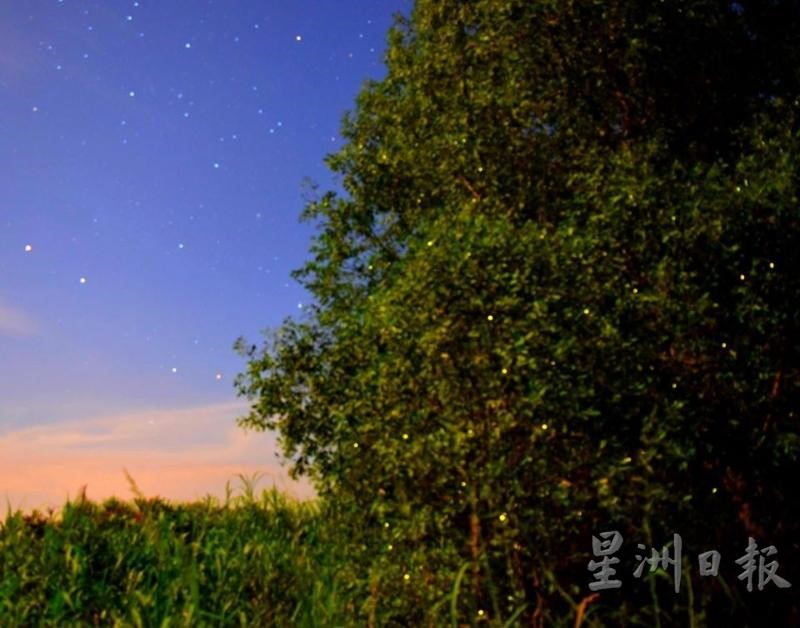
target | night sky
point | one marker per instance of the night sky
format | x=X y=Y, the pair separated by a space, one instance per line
x=152 y=158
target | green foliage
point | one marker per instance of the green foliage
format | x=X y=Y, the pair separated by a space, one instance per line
x=560 y=296
x=255 y=560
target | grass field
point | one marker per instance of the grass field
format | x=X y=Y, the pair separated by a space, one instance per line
x=250 y=560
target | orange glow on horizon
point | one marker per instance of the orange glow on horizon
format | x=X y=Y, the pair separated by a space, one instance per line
x=178 y=455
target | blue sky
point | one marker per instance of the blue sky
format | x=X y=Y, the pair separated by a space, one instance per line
x=152 y=156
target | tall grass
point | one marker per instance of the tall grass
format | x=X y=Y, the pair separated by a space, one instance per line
x=250 y=560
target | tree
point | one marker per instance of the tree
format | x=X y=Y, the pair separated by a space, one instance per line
x=559 y=295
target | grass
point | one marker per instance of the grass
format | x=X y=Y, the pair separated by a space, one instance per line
x=250 y=560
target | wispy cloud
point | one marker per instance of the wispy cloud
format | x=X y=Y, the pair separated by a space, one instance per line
x=14 y=322
x=182 y=454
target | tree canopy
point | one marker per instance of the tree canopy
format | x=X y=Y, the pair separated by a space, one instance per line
x=560 y=295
